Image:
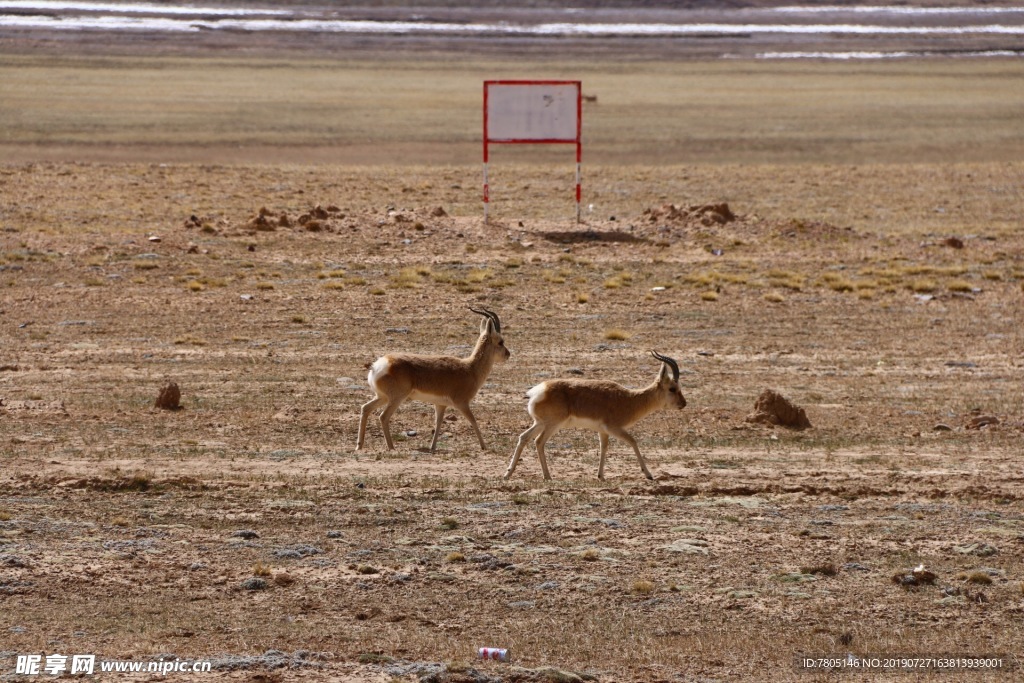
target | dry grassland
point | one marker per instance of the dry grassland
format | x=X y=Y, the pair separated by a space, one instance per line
x=133 y=532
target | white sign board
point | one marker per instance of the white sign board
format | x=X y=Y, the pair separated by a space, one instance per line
x=541 y=112
x=532 y=112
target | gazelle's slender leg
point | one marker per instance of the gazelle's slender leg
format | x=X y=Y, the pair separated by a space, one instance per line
x=625 y=436
x=541 y=440
x=472 y=421
x=364 y=415
x=385 y=420
x=604 y=452
x=520 y=445
x=438 y=416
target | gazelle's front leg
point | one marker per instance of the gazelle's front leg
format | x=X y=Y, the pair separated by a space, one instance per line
x=604 y=452
x=625 y=436
x=472 y=421
x=438 y=416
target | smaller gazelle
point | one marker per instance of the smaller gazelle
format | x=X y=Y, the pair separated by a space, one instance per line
x=441 y=381
x=605 y=407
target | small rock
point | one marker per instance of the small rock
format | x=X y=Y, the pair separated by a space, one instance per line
x=942 y=427
x=982 y=421
x=954 y=242
x=298 y=551
x=255 y=584
x=13 y=561
x=856 y=566
x=522 y=604
x=979 y=549
x=689 y=546
x=247 y=534
x=919 y=576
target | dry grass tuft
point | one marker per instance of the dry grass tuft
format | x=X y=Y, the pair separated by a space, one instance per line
x=616 y=334
x=979 y=578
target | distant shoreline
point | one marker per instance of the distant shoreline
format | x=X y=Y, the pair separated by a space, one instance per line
x=644 y=31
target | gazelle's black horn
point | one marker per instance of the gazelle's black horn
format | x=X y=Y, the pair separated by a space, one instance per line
x=669 y=362
x=490 y=314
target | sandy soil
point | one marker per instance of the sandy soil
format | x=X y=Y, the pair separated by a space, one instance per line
x=244 y=529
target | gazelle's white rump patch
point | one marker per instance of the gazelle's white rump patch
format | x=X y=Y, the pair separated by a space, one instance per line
x=379 y=367
x=536 y=394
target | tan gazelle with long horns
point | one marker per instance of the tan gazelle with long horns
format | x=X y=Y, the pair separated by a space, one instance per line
x=442 y=381
x=605 y=407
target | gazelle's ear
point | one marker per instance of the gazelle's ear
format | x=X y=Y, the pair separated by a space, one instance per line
x=663 y=374
x=485 y=323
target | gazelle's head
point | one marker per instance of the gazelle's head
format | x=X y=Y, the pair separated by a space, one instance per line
x=668 y=381
x=490 y=336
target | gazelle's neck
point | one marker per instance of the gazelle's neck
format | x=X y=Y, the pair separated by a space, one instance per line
x=648 y=399
x=481 y=360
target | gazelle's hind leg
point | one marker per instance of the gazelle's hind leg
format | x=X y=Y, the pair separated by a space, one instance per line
x=541 y=440
x=520 y=445
x=364 y=415
x=385 y=419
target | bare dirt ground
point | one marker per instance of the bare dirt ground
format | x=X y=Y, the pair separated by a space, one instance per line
x=885 y=299
x=134 y=532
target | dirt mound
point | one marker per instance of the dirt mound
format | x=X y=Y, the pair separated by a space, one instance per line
x=333 y=219
x=775 y=409
x=169 y=398
x=698 y=214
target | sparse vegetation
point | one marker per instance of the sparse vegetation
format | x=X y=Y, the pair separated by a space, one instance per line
x=615 y=334
x=688 y=575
